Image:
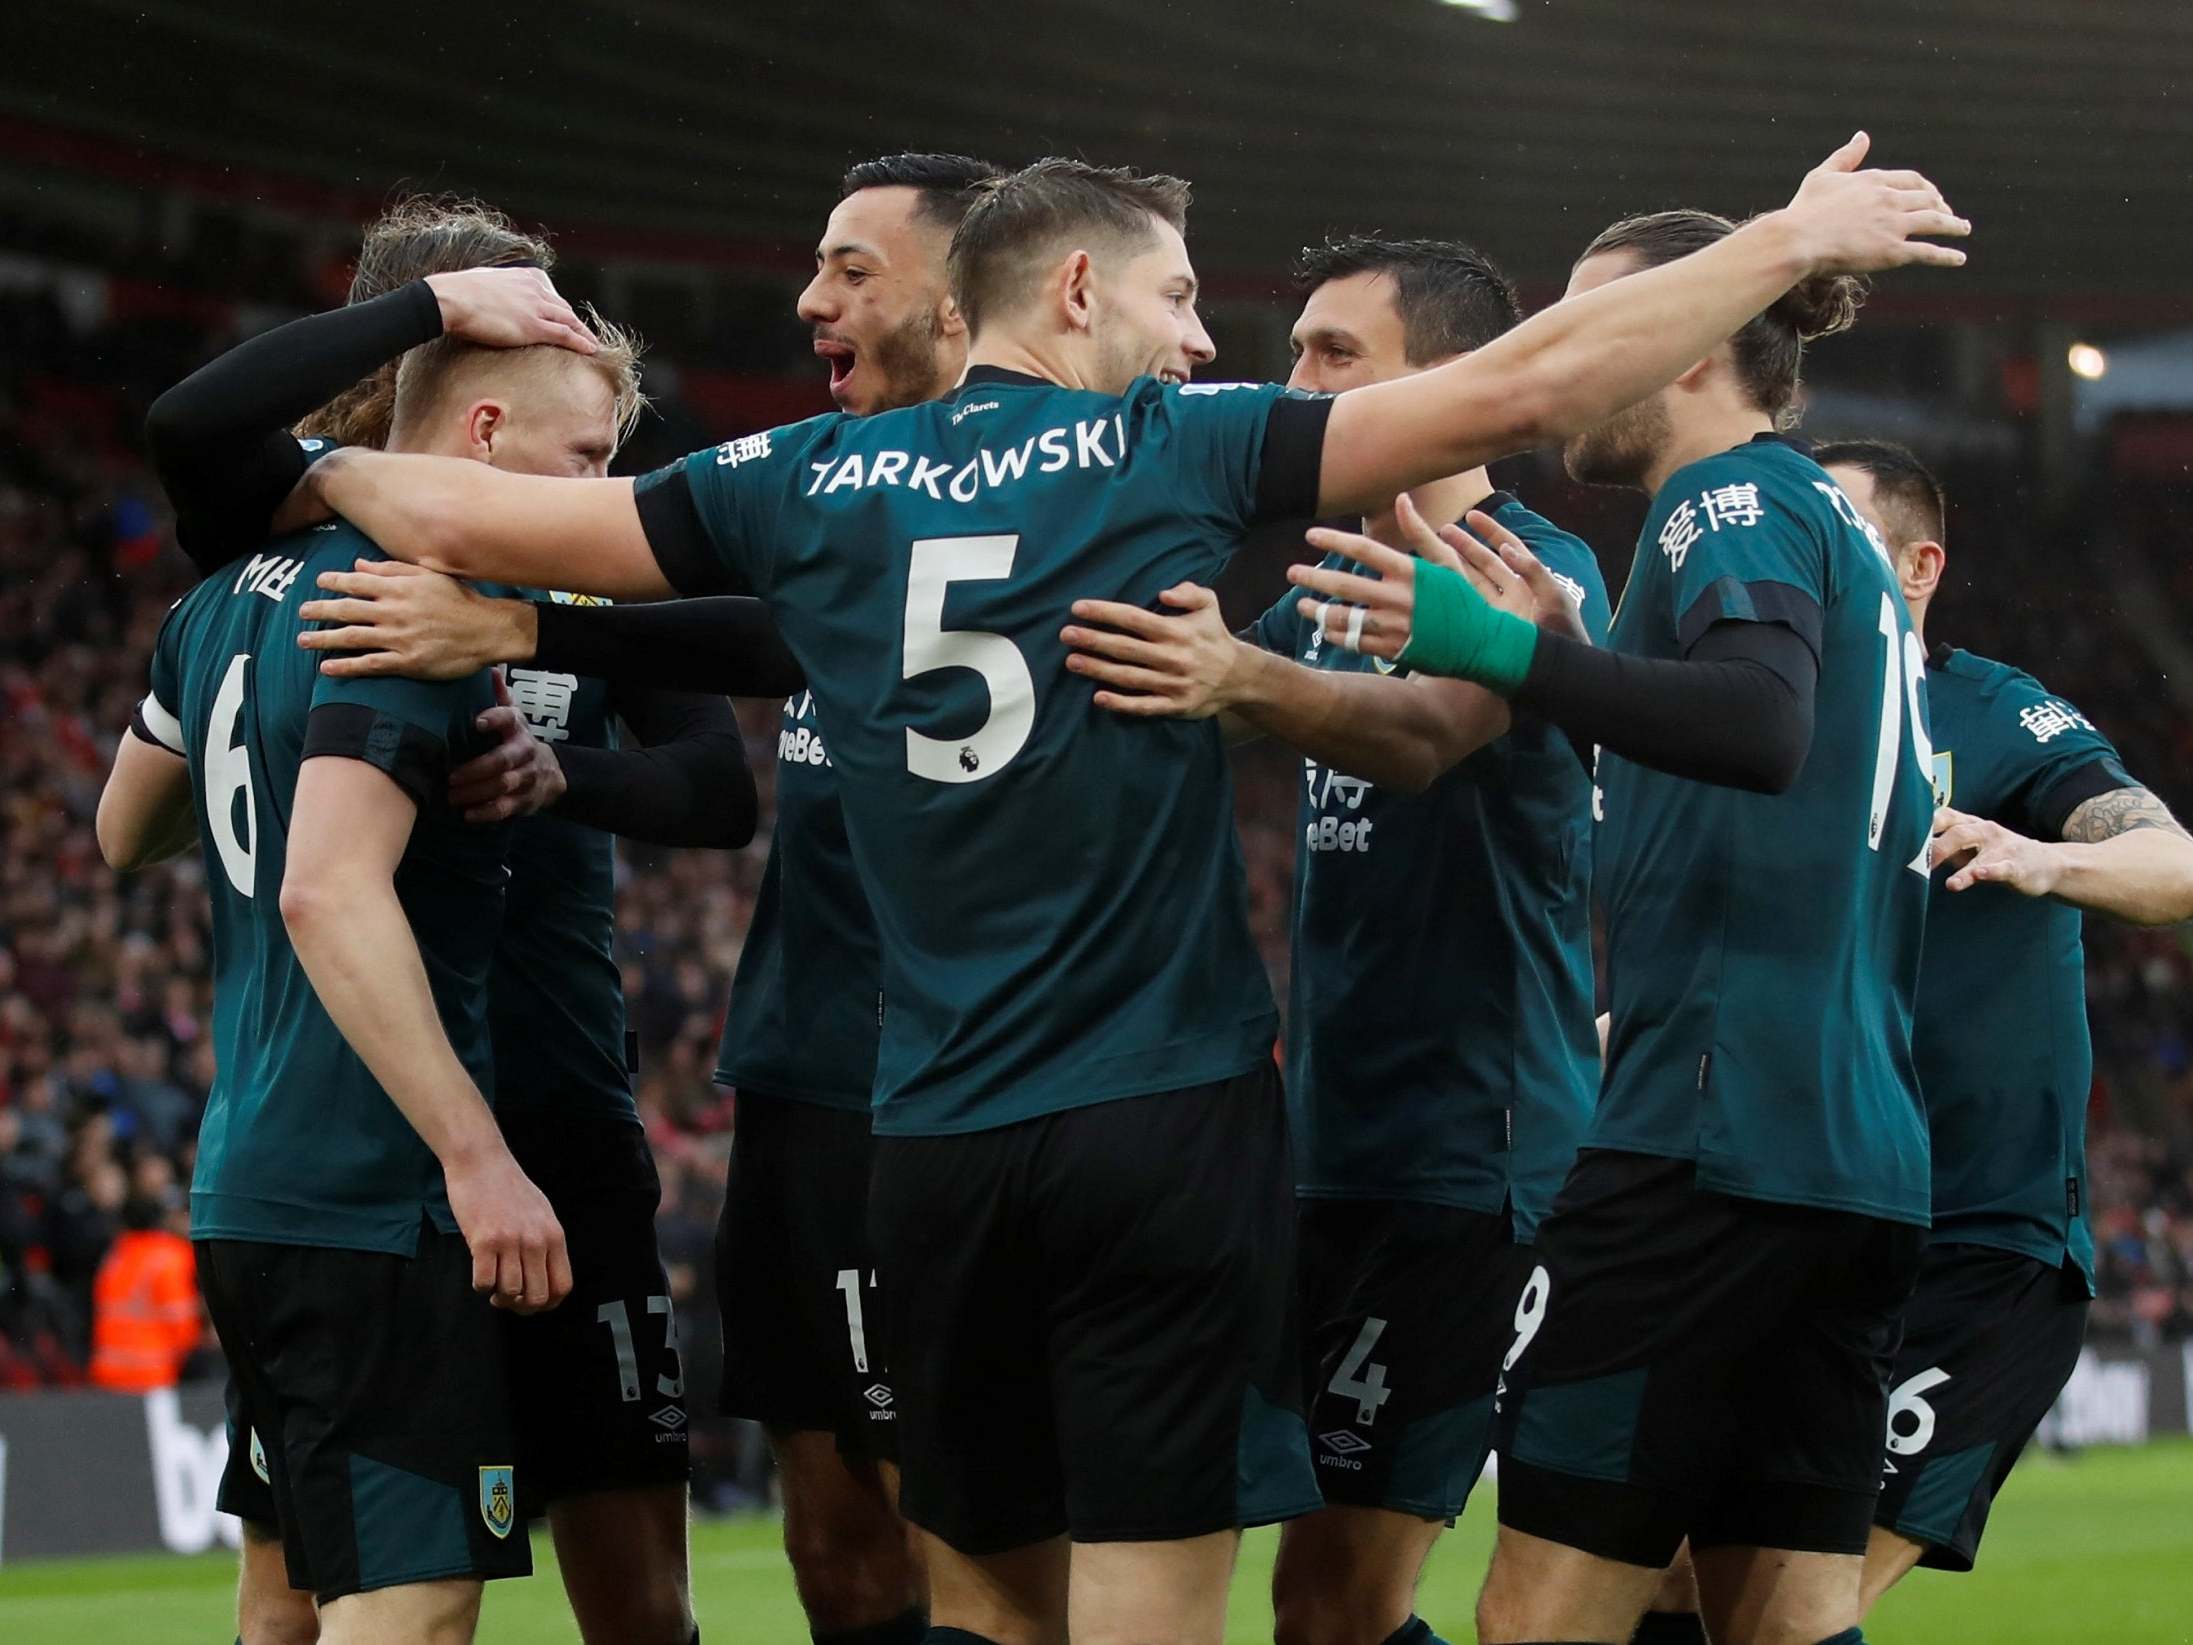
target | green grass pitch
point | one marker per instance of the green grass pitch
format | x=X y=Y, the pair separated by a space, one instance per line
x=2099 y=1547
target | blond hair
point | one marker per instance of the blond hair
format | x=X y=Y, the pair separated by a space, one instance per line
x=428 y=374
x=420 y=235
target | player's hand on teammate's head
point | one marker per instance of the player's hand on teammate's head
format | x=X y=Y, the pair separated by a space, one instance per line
x=1501 y=567
x=1858 y=222
x=1179 y=665
x=394 y=618
x=1980 y=852
x=519 y=1259
x=508 y=308
x=517 y=777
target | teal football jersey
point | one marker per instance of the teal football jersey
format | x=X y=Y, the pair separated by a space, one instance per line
x=2000 y=1032
x=299 y=1145
x=556 y=1003
x=1058 y=892
x=1448 y=1053
x=807 y=1002
x=1763 y=950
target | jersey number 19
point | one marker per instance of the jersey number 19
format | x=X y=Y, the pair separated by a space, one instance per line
x=1903 y=670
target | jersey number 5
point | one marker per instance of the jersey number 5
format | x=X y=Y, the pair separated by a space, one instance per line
x=934 y=565
x=1903 y=670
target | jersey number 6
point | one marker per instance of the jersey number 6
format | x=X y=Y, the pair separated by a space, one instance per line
x=934 y=565
x=228 y=774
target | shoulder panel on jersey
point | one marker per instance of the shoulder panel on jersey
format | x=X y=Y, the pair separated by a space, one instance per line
x=1568 y=557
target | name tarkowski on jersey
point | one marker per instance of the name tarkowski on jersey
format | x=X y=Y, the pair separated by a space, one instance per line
x=1092 y=442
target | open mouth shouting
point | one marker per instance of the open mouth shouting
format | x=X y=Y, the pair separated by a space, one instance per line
x=842 y=358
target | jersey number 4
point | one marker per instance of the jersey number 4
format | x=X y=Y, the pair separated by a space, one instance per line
x=1903 y=673
x=933 y=566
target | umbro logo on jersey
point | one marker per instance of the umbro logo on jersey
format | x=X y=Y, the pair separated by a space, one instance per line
x=670 y=1416
x=1343 y=1443
x=878 y=1395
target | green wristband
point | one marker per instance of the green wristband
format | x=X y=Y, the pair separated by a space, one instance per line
x=1456 y=633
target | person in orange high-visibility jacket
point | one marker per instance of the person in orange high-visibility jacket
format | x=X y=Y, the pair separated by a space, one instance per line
x=146 y=1318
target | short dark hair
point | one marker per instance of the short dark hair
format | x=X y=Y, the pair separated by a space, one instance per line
x=417 y=236
x=1770 y=348
x=1450 y=296
x=1910 y=497
x=945 y=182
x=1019 y=221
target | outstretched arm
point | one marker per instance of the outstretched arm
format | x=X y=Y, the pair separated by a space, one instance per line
x=686 y=784
x=220 y=438
x=2122 y=854
x=1735 y=709
x=1588 y=357
x=393 y=618
x=474 y=520
x=1401 y=732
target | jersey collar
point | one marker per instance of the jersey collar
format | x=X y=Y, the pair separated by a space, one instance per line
x=991 y=376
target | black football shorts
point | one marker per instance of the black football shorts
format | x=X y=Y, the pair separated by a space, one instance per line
x=1990 y=1339
x=1092 y=1321
x=1408 y=1309
x=372 y=1388
x=1693 y=1364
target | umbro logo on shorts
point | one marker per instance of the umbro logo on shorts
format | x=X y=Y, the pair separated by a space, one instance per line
x=878 y=1395
x=670 y=1416
x=1343 y=1443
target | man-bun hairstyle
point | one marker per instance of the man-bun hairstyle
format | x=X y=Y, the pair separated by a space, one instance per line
x=1770 y=348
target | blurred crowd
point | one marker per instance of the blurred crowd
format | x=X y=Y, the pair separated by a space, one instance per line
x=105 y=1058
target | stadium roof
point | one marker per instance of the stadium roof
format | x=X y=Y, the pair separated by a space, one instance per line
x=2064 y=129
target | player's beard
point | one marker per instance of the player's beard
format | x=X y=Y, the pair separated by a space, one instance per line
x=905 y=358
x=1618 y=451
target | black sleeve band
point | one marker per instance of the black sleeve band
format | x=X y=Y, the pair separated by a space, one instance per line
x=1287 y=477
x=672 y=521
x=1736 y=711
x=689 y=784
x=728 y=645
x=2048 y=811
x=220 y=438
x=416 y=761
x=142 y=729
x=1726 y=600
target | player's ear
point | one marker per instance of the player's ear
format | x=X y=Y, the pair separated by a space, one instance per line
x=1696 y=375
x=1919 y=568
x=950 y=322
x=483 y=421
x=1076 y=283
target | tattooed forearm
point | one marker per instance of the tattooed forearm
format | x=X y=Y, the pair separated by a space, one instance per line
x=2120 y=811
